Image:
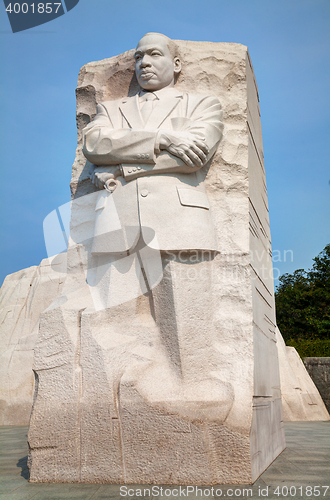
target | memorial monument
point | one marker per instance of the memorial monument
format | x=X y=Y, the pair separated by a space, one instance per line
x=157 y=363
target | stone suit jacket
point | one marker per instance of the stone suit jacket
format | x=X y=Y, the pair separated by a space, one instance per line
x=159 y=195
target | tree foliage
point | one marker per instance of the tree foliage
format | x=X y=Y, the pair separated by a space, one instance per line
x=303 y=301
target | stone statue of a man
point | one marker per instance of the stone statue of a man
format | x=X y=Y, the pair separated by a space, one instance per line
x=164 y=369
x=161 y=137
x=155 y=144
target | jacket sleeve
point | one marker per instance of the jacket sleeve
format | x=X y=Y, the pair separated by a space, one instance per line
x=206 y=121
x=135 y=149
x=203 y=120
x=104 y=145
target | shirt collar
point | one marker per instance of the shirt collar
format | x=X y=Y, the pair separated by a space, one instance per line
x=167 y=92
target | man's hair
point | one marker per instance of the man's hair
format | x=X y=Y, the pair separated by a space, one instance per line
x=172 y=46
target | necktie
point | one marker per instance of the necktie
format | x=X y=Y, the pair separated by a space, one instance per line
x=147 y=106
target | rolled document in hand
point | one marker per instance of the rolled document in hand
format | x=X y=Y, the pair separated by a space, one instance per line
x=110 y=185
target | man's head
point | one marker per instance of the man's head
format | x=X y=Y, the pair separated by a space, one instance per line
x=156 y=62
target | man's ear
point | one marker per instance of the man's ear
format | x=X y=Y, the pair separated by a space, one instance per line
x=177 y=65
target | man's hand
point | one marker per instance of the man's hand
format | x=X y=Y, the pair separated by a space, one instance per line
x=100 y=175
x=192 y=151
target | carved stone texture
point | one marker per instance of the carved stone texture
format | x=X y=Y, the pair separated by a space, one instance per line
x=23 y=296
x=111 y=402
x=301 y=399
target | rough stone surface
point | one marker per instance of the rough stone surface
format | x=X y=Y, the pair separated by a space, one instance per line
x=301 y=400
x=107 y=407
x=300 y=396
x=319 y=370
x=24 y=295
x=304 y=464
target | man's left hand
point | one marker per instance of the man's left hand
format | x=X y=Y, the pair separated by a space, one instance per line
x=100 y=175
x=191 y=150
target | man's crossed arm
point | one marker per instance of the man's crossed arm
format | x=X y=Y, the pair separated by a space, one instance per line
x=164 y=151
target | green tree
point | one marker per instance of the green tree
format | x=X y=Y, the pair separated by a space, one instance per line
x=303 y=302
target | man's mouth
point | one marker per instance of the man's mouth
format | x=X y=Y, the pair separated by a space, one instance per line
x=146 y=74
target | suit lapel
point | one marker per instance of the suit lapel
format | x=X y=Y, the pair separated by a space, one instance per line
x=163 y=108
x=131 y=110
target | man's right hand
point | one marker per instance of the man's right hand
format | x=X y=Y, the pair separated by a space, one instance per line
x=100 y=175
x=192 y=151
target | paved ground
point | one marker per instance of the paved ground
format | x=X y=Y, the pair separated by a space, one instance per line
x=302 y=471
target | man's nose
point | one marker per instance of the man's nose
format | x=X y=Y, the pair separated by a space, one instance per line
x=145 y=61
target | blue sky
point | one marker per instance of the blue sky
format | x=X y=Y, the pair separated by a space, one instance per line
x=289 y=44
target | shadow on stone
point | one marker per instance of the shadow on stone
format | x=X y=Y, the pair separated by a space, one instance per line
x=22 y=463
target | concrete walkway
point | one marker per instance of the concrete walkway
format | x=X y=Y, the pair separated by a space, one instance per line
x=302 y=471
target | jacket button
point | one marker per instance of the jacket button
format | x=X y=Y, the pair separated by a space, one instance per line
x=147 y=155
x=138 y=156
x=144 y=193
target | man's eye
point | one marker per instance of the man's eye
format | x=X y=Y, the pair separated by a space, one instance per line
x=137 y=57
x=156 y=53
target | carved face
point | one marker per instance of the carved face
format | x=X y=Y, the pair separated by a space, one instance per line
x=155 y=68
